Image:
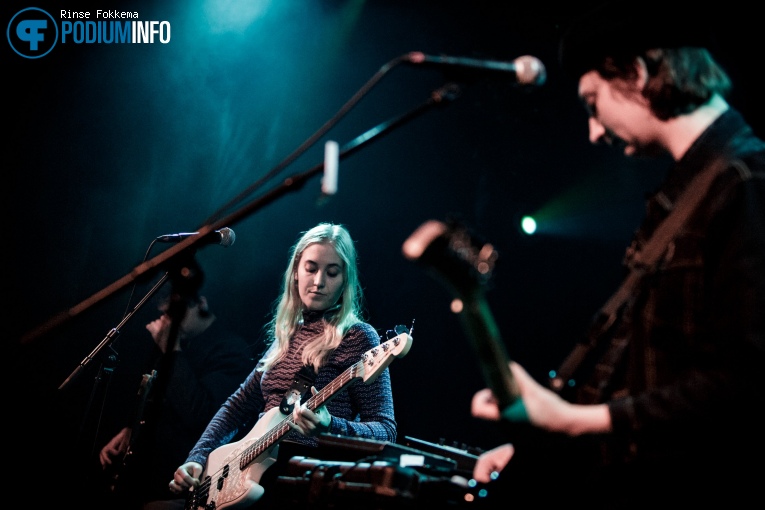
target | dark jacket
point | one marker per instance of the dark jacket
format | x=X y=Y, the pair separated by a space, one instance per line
x=686 y=393
x=686 y=396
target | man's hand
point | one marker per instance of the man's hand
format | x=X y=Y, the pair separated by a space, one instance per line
x=545 y=408
x=491 y=462
x=117 y=446
x=160 y=332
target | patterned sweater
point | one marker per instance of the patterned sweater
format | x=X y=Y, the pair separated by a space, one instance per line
x=358 y=410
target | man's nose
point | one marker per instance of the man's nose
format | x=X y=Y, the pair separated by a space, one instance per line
x=597 y=131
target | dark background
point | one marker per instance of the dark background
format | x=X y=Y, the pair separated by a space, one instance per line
x=108 y=146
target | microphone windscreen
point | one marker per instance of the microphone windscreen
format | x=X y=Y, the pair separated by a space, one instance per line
x=530 y=70
x=227 y=237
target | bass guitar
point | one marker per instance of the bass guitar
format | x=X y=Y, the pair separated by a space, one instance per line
x=232 y=472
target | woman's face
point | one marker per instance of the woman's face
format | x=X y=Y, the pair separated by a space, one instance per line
x=320 y=277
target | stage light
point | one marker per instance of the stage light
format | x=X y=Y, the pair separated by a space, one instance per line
x=528 y=225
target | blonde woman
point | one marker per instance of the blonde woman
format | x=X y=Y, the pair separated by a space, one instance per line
x=316 y=333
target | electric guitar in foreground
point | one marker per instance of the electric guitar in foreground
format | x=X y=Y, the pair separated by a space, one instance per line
x=465 y=264
x=232 y=472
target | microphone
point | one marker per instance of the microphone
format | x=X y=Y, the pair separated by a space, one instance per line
x=525 y=70
x=225 y=237
x=331 y=159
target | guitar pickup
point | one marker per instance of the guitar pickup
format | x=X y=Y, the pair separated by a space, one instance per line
x=223 y=477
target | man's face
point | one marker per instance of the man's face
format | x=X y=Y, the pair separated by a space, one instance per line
x=618 y=114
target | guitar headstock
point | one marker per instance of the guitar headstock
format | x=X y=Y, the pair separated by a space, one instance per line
x=375 y=360
x=454 y=254
x=146 y=381
x=465 y=264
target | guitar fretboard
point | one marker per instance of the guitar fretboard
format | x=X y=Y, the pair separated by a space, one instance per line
x=281 y=429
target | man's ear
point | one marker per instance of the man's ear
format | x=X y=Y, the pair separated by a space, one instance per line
x=641 y=71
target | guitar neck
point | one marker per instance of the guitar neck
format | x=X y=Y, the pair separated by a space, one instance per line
x=277 y=433
x=465 y=263
x=490 y=349
x=329 y=391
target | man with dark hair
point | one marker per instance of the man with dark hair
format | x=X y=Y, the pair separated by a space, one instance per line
x=660 y=404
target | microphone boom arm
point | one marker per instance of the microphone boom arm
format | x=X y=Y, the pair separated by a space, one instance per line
x=438 y=97
x=113 y=333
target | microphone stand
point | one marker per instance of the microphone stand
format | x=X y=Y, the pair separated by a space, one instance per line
x=441 y=96
x=111 y=335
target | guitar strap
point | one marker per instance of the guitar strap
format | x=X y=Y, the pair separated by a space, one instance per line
x=649 y=257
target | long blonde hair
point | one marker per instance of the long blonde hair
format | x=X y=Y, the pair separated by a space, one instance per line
x=288 y=309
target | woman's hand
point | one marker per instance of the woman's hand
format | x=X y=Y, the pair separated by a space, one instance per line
x=308 y=422
x=186 y=476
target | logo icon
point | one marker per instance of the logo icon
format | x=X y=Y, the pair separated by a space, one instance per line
x=32 y=33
